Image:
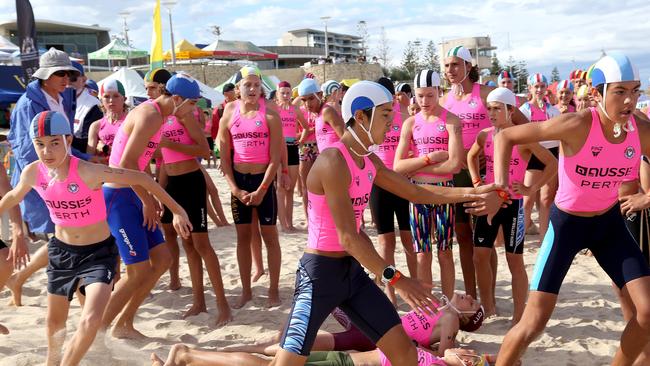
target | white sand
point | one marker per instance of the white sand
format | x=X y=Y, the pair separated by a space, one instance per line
x=584 y=330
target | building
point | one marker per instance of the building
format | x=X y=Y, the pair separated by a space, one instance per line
x=75 y=39
x=294 y=56
x=479 y=47
x=339 y=45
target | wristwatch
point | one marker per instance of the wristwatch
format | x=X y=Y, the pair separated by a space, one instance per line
x=388 y=274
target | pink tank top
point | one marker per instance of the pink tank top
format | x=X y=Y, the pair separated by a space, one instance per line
x=311 y=123
x=107 y=130
x=472 y=113
x=424 y=359
x=517 y=164
x=420 y=327
x=387 y=149
x=121 y=138
x=176 y=132
x=70 y=202
x=589 y=180
x=430 y=136
x=325 y=134
x=288 y=118
x=251 y=139
x=322 y=230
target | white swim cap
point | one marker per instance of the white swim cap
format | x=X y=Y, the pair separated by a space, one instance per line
x=427 y=79
x=364 y=95
x=502 y=95
x=615 y=67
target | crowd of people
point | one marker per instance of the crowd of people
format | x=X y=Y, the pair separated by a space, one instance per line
x=112 y=187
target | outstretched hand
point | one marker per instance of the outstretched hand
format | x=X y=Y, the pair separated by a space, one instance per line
x=634 y=203
x=417 y=294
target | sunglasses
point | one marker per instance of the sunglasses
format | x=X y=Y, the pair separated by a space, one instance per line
x=63 y=73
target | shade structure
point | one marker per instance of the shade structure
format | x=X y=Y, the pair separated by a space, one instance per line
x=117 y=50
x=267 y=83
x=7 y=46
x=185 y=50
x=239 y=50
x=132 y=81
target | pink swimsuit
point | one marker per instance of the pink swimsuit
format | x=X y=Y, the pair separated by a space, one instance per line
x=311 y=123
x=322 y=230
x=121 y=139
x=424 y=359
x=590 y=179
x=388 y=148
x=107 y=130
x=176 y=132
x=472 y=113
x=288 y=118
x=420 y=327
x=325 y=134
x=251 y=139
x=517 y=164
x=541 y=115
x=430 y=136
x=70 y=202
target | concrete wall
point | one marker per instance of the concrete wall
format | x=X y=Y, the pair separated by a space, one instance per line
x=345 y=71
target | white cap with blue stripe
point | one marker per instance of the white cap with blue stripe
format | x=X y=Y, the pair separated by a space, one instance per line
x=613 y=68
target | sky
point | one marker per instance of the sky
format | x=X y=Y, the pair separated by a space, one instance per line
x=566 y=34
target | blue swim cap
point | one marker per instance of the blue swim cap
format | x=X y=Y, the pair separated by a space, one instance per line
x=537 y=78
x=505 y=75
x=49 y=123
x=183 y=86
x=491 y=83
x=92 y=85
x=613 y=68
x=307 y=87
x=364 y=95
x=329 y=87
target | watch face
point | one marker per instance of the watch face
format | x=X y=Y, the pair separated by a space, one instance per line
x=389 y=273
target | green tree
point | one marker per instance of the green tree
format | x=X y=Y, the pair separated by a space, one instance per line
x=555 y=75
x=399 y=74
x=431 y=60
x=410 y=59
x=495 y=68
x=522 y=76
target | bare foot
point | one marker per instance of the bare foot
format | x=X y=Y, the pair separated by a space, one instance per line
x=195 y=310
x=16 y=290
x=155 y=360
x=124 y=332
x=274 y=299
x=243 y=299
x=257 y=276
x=3 y=329
x=224 y=316
x=175 y=284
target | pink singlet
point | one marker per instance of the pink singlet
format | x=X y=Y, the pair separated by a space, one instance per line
x=541 y=115
x=420 y=327
x=472 y=113
x=175 y=131
x=121 y=138
x=517 y=164
x=322 y=230
x=311 y=123
x=325 y=134
x=387 y=149
x=590 y=179
x=70 y=202
x=430 y=136
x=288 y=118
x=424 y=359
x=251 y=139
x=107 y=130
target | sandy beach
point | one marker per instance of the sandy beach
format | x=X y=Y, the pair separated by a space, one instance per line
x=584 y=329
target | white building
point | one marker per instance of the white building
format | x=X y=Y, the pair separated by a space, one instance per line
x=479 y=47
x=339 y=45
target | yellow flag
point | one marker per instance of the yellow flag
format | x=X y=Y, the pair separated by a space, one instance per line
x=156 y=39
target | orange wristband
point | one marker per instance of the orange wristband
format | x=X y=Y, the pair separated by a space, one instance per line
x=395 y=278
x=264 y=186
x=427 y=160
x=478 y=181
x=503 y=194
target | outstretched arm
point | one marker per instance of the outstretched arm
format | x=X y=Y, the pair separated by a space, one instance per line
x=18 y=254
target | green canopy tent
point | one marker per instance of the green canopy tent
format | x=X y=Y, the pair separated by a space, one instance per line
x=116 y=50
x=267 y=83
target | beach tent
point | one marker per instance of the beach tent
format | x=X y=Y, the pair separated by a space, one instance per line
x=184 y=50
x=116 y=50
x=213 y=95
x=238 y=50
x=132 y=81
x=267 y=83
x=11 y=87
x=7 y=46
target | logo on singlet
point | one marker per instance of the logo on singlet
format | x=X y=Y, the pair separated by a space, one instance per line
x=472 y=103
x=258 y=123
x=595 y=150
x=73 y=188
x=395 y=127
x=370 y=176
x=44 y=186
x=629 y=152
x=441 y=127
x=356 y=180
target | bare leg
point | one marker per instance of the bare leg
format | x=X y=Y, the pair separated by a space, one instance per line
x=387 y=253
x=466 y=249
x=398 y=348
x=214 y=202
x=494 y=264
x=424 y=262
x=57 y=314
x=293 y=177
x=305 y=167
x=196 y=276
x=447 y=272
x=483 y=267
x=244 y=261
x=274 y=259
x=627 y=307
x=529 y=201
x=256 y=248
x=519 y=284
x=171 y=240
x=546 y=198
x=411 y=261
x=202 y=245
x=636 y=335
x=5 y=267
x=97 y=295
x=537 y=312
x=181 y=355
x=17 y=280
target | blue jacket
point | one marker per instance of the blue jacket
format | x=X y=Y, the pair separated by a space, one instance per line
x=34 y=211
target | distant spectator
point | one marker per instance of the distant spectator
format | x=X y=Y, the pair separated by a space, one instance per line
x=88 y=109
x=92 y=87
x=49 y=92
x=217 y=112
